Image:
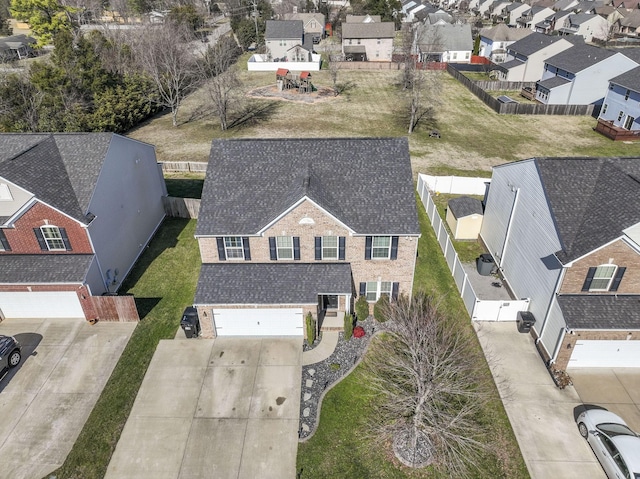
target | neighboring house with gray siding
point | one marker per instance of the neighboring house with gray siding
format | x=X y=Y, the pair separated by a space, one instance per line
x=282 y=37
x=622 y=104
x=297 y=226
x=565 y=232
x=444 y=43
x=76 y=212
x=367 y=40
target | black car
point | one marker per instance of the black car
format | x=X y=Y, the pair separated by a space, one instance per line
x=10 y=352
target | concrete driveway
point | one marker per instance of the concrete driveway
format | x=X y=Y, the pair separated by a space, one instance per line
x=223 y=408
x=616 y=389
x=541 y=415
x=46 y=400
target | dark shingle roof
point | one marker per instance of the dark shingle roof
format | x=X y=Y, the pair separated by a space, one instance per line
x=446 y=37
x=501 y=32
x=465 y=206
x=592 y=200
x=59 y=169
x=579 y=57
x=364 y=182
x=44 y=268
x=553 y=82
x=595 y=311
x=269 y=283
x=276 y=29
x=630 y=79
x=369 y=30
x=533 y=43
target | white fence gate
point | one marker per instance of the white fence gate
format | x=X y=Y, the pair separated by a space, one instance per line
x=479 y=310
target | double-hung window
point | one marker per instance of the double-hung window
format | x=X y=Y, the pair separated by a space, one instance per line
x=605 y=277
x=233 y=247
x=53 y=238
x=375 y=289
x=284 y=247
x=380 y=247
x=329 y=247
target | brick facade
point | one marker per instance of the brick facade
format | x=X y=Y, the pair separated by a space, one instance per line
x=569 y=341
x=399 y=270
x=22 y=239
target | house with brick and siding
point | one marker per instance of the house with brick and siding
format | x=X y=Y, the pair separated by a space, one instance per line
x=298 y=226
x=76 y=211
x=565 y=232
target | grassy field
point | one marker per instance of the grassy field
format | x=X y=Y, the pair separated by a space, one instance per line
x=473 y=136
x=163 y=282
x=341 y=448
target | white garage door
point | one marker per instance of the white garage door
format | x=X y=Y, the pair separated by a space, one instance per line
x=41 y=304
x=605 y=354
x=258 y=322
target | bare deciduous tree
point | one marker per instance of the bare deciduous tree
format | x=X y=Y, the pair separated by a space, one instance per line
x=165 y=53
x=217 y=67
x=432 y=387
x=333 y=50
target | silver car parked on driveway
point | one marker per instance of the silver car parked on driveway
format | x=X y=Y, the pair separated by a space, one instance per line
x=615 y=445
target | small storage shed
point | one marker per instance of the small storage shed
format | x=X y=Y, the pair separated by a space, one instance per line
x=464 y=217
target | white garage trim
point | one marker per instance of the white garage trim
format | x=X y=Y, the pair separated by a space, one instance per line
x=258 y=322
x=605 y=354
x=41 y=304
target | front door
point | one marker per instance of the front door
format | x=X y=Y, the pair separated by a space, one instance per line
x=330 y=301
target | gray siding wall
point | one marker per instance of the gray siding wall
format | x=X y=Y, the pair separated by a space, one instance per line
x=554 y=329
x=94 y=278
x=528 y=263
x=128 y=206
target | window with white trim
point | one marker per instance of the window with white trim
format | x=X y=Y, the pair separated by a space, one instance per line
x=602 y=277
x=329 y=247
x=620 y=115
x=284 y=247
x=604 y=108
x=53 y=238
x=381 y=247
x=627 y=94
x=233 y=247
x=375 y=289
x=628 y=122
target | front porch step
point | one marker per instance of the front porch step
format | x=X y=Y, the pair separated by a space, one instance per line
x=331 y=328
x=332 y=314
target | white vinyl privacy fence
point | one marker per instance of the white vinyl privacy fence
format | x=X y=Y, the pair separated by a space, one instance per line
x=479 y=310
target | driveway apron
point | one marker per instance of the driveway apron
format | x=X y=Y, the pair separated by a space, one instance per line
x=223 y=408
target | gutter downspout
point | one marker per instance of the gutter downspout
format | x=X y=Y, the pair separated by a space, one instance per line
x=508 y=233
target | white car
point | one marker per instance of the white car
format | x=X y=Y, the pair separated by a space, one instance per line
x=615 y=445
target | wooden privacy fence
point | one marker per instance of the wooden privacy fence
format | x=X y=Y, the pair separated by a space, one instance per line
x=181 y=207
x=115 y=308
x=192 y=166
x=517 y=108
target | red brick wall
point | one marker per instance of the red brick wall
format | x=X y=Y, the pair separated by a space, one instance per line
x=23 y=241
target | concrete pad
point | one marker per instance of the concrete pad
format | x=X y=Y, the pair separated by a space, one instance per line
x=276 y=393
x=235 y=352
x=630 y=379
x=629 y=412
x=13 y=406
x=35 y=369
x=48 y=428
x=270 y=449
x=599 y=385
x=149 y=448
x=226 y=392
x=11 y=327
x=60 y=331
x=185 y=352
x=12 y=469
x=285 y=351
x=568 y=470
x=208 y=452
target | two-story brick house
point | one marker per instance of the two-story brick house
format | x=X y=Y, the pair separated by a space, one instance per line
x=565 y=232
x=76 y=211
x=288 y=227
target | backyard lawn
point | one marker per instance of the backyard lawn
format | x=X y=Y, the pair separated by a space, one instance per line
x=341 y=447
x=163 y=282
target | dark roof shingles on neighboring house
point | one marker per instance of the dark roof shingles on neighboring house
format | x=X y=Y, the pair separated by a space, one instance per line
x=366 y=183
x=592 y=200
x=369 y=30
x=596 y=311
x=579 y=57
x=533 y=43
x=60 y=169
x=465 y=206
x=283 y=29
x=553 y=82
x=268 y=283
x=44 y=268
x=630 y=79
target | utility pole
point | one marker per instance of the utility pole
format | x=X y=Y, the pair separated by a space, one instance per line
x=254 y=14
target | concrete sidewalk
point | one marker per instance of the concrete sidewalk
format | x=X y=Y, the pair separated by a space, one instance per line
x=541 y=415
x=323 y=350
x=223 y=408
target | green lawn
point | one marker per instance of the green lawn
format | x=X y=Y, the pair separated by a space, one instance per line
x=341 y=448
x=184 y=185
x=163 y=282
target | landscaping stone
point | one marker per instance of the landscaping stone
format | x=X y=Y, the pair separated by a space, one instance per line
x=306 y=411
x=346 y=355
x=306 y=397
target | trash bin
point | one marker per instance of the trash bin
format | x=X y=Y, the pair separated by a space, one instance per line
x=485 y=264
x=190 y=323
x=524 y=321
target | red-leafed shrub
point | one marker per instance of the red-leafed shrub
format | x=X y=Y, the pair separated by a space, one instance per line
x=358 y=332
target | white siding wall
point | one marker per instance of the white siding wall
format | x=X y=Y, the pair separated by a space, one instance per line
x=592 y=84
x=128 y=206
x=532 y=235
x=553 y=330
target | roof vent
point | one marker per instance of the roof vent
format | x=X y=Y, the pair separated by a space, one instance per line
x=307 y=181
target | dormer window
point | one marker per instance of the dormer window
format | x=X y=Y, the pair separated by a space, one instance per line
x=52 y=238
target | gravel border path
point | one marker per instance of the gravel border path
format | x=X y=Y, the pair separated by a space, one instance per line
x=319 y=378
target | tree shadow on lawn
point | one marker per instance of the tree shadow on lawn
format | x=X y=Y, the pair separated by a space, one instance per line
x=185 y=187
x=255 y=112
x=166 y=237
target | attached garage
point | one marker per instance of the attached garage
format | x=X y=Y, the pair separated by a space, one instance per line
x=41 y=304
x=258 y=322
x=605 y=354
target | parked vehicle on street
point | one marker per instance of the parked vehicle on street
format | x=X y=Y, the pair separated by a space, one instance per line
x=615 y=445
x=10 y=352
